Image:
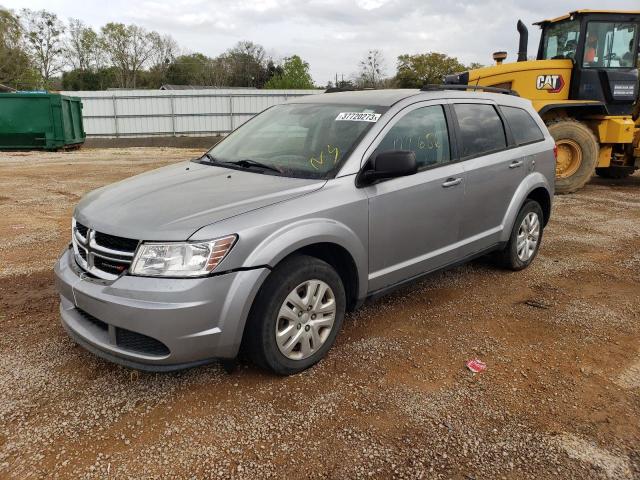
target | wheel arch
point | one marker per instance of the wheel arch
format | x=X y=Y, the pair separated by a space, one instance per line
x=328 y=240
x=541 y=195
x=577 y=111
x=535 y=186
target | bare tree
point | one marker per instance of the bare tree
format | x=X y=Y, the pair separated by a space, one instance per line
x=43 y=32
x=82 y=47
x=165 y=51
x=371 y=69
x=129 y=48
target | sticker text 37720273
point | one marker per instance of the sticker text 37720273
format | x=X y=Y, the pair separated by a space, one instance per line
x=358 y=117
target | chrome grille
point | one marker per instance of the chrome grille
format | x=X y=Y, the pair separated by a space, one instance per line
x=102 y=255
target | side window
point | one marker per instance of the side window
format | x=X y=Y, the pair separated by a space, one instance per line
x=481 y=129
x=523 y=127
x=424 y=131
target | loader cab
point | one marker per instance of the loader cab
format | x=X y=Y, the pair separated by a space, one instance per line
x=603 y=46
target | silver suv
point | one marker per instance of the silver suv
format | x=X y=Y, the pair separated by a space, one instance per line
x=298 y=216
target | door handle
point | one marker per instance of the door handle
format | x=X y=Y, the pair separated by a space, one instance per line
x=452 y=182
x=515 y=164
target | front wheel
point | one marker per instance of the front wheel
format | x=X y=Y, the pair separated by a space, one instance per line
x=526 y=235
x=296 y=315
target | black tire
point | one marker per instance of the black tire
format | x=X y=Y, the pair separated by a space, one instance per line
x=259 y=338
x=574 y=131
x=615 y=173
x=508 y=257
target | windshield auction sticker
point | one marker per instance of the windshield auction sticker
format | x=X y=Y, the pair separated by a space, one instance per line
x=358 y=117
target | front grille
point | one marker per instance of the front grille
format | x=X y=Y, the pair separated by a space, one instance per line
x=102 y=255
x=82 y=230
x=140 y=343
x=128 y=340
x=116 y=243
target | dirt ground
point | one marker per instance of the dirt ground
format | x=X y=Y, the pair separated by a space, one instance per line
x=560 y=397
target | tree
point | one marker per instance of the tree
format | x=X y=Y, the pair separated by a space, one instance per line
x=474 y=66
x=245 y=65
x=82 y=47
x=16 y=69
x=129 y=48
x=95 y=79
x=164 y=52
x=414 y=71
x=43 y=32
x=295 y=74
x=371 y=70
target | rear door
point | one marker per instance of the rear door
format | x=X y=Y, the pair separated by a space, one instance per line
x=494 y=169
x=414 y=220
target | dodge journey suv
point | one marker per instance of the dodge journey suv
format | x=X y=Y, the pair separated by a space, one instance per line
x=297 y=217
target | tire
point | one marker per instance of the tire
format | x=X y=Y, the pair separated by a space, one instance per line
x=304 y=273
x=615 y=173
x=509 y=257
x=578 y=151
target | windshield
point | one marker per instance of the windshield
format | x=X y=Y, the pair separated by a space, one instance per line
x=297 y=140
x=610 y=45
x=561 y=40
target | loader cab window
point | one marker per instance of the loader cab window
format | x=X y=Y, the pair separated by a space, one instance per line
x=609 y=45
x=561 y=40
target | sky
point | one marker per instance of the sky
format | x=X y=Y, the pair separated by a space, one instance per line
x=332 y=35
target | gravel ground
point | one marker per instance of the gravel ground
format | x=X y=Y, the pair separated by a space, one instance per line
x=560 y=397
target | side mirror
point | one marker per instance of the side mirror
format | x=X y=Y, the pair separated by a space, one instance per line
x=389 y=164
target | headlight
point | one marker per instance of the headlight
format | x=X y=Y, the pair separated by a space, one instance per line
x=186 y=259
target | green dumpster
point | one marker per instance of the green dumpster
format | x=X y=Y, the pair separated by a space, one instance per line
x=40 y=120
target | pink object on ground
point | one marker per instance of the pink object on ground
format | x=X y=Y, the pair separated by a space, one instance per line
x=476 y=366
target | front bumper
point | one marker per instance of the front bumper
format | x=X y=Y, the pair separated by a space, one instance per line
x=156 y=324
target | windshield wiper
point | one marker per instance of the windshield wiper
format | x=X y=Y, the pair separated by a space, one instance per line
x=248 y=163
x=210 y=157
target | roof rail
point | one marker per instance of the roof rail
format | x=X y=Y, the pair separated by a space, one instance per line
x=433 y=86
x=347 y=89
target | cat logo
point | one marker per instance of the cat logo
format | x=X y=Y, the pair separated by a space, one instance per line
x=550 y=83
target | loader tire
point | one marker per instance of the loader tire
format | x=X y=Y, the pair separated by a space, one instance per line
x=578 y=151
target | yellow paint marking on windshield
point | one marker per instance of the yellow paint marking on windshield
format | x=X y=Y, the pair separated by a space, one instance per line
x=332 y=151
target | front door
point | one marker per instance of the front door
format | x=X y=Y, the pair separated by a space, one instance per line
x=414 y=221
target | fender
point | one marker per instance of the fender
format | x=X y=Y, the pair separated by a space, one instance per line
x=530 y=183
x=303 y=233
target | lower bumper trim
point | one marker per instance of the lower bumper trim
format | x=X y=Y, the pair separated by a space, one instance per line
x=146 y=367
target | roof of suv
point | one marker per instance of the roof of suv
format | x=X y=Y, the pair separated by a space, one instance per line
x=386 y=98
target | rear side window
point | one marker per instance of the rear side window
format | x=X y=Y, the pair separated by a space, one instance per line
x=481 y=129
x=524 y=128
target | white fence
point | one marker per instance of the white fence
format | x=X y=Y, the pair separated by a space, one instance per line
x=144 y=113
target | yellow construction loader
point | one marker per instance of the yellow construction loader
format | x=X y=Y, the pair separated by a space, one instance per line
x=584 y=85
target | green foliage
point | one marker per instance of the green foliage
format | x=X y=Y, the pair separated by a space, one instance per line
x=414 y=71
x=100 y=79
x=16 y=68
x=294 y=75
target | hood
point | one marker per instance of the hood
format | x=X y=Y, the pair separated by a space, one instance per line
x=172 y=202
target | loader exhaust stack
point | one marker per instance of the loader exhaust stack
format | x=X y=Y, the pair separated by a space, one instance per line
x=524 y=41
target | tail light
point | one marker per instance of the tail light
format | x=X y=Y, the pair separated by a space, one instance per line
x=555 y=151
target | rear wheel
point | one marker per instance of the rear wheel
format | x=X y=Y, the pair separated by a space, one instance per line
x=296 y=316
x=578 y=152
x=525 y=238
